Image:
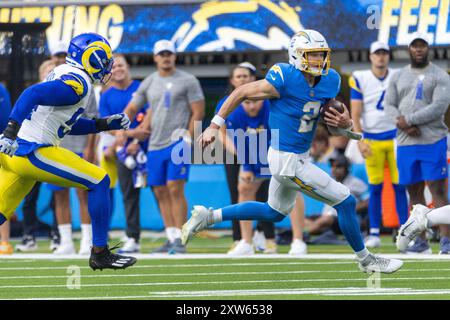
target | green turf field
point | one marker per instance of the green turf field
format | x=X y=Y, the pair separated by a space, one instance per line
x=224 y=278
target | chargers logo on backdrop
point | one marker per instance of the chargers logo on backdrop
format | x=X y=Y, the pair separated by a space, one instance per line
x=234 y=25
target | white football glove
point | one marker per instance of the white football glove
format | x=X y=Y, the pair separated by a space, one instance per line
x=118 y=121
x=8 y=146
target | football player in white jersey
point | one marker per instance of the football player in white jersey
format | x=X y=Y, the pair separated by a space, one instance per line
x=368 y=88
x=41 y=117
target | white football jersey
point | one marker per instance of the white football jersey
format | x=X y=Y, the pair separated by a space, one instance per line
x=372 y=89
x=48 y=124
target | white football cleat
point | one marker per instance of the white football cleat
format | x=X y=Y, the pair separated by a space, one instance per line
x=373 y=263
x=373 y=242
x=85 y=247
x=65 y=248
x=130 y=246
x=259 y=240
x=416 y=224
x=298 y=248
x=243 y=248
x=200 y=219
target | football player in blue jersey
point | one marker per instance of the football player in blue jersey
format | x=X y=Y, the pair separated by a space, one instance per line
x=41 y=117
x=297 y=91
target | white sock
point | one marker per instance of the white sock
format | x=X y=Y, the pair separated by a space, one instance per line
x=65 y=231
x=176 y=233
x=170 y=234
x=362 y=254
x=439 y=216
x=86 y=233
x=217 y=216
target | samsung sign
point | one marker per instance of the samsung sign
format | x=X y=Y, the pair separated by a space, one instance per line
x=242 y=25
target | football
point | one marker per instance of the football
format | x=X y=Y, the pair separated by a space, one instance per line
x=339 y=106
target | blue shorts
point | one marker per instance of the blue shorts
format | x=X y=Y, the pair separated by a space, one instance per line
x=427 y=162
x=162 y=168
x=53 y=187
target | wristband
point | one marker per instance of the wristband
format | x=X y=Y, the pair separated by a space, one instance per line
x=218 y=120
x=12 y=129
x=101 y=124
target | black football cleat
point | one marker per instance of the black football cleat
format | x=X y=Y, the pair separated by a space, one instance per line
x=107 y=260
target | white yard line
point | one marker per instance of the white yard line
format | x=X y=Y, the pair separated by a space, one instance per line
x=196 y=274
x=218 y=282
x=352 y=291
x=143 y=256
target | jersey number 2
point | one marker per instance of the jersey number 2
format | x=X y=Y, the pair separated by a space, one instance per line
x=311 y=110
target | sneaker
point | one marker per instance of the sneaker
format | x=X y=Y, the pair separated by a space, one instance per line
x=235 y=243
x=130 y=246
x=85 y=247
x=445 y=245
x=420 y=246
x=270 y=247
x=416 y=224
x=65 y=248
x=28 y=244
x=6 y=248
x=177 y=247
x=259 y=241
x=200 y=219
x=372 y=241
x=54 y=242
x=108 y=260
x=164 y=248
x=243 y=248
x=373 y=263
x=298 y=248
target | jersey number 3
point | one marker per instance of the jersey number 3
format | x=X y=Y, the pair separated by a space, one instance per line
x=311 y=113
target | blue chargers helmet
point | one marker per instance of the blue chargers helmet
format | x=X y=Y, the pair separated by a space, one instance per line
x=92 y=53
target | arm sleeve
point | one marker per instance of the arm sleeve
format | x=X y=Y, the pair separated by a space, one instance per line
x=355 y=89
x=52 y=93
x=437 y=109
x=391 y=99
x=195 y=92
x=276 y=77
x=139 y=96
x=83 y=126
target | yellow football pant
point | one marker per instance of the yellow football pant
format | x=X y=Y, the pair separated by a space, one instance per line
x=382 y=152
x=53 y=165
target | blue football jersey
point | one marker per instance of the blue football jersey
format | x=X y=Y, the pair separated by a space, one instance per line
x=296 y=112
x=251 y=126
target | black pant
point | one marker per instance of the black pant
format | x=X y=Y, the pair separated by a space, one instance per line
x=232 y=172
x=30 y=219
x=131 y=197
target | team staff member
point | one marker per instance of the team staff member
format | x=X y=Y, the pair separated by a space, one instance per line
x=176 y=101
x=417 y=99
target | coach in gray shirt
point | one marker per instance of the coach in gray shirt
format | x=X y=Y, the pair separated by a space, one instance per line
x=175 y=101
x=416 y=99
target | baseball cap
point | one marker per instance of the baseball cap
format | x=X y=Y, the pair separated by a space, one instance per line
x=163 y=45
x=59 y=47
x=248 y=66
x=417 y=36
x=378 y=45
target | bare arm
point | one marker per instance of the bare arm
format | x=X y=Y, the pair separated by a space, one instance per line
x=357 y=109
x=198 y=113
x=257 y=90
